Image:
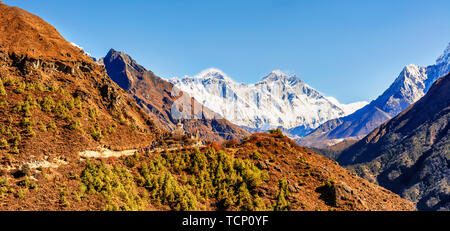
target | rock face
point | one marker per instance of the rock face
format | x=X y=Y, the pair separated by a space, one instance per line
x=411 y=85
x=278 y=100
x=163 y=101
x=410 y=154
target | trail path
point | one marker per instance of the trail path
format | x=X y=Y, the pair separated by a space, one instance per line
x=106 y=153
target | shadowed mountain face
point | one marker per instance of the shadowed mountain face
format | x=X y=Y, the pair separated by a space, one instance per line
x=412 y=84
x=410 y=154
x=164 y=103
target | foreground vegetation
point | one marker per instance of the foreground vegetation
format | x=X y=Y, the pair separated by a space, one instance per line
x=191 y=180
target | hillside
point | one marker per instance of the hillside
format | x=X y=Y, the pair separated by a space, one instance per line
x=56 y=102
x=411 y=85
x=410 y=153
x=160 y=100
x=265 y=172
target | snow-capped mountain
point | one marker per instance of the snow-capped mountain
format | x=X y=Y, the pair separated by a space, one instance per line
x=410 y=86
x=278 y=100
x=348 y=108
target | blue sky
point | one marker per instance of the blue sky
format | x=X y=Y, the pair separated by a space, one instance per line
x=349 y=49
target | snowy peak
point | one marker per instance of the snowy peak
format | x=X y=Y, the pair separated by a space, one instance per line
x=278 y=100
x=413 y=74
x=213 y=73
x=278 y=75
x=445 y=57
x=410 y=86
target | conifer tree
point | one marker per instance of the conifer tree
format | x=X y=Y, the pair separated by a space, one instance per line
x=2 y=89
x=282 y=203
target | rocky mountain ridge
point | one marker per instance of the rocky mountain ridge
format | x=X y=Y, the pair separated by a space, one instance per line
x=410 y=154
x=165 y=103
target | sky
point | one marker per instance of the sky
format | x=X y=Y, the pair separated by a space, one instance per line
x=349 y=49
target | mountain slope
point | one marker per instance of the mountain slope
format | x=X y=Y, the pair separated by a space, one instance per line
x=412 y=84
x=54 y=103
x=313 y=181
x=41 y=71
x=410 y=154
x=159 y=98
x=278 y=100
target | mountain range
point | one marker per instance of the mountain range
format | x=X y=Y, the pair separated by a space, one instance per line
x=276 y=101
x=410 y=154
x=72 y=139
x=411 y=85
x=160 y=99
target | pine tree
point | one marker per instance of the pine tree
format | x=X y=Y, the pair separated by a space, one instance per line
x=2 y=89
x=282 y=203
x=245 y=202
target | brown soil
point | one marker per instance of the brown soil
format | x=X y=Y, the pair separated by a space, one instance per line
x=36 y=62
x=307 y=171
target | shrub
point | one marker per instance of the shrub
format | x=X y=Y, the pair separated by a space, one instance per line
x=4 y=144
x=16 y=139
x=62 y=111
x=26 y=183
x=3 y=186
x=164 y=188
x=75 y=125
x=63 y=198
x=19 y=87
x=41 y=126
x=15 y=150
x=52 y=125
x=96 y=133
x=282 y=203
x=26 y=122
x=115 y=186
x=256 y=156
x=93 y=114
x=30 y=132
x=5 y=130
x=277 y=132
x=3 y=104
x=20 y=194
x=110 y=129
x=47 y=104
x=131 y=161
x=2 y=89
x=77 y=103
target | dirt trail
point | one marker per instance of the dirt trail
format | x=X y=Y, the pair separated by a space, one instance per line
x=106 y=153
